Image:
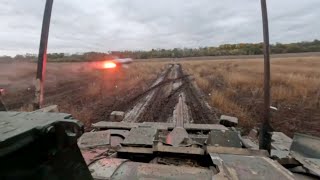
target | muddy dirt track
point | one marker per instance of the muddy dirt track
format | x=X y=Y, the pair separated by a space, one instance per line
x=172 y=90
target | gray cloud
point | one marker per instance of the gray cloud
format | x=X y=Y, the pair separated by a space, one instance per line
x=99 y=25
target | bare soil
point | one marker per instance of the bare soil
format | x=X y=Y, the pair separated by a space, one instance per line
x=164 y=97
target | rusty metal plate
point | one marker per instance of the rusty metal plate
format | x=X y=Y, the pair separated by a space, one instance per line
x=133 y=170
x=94 y=139
x=250 y=167
x=105 y=168
x=225 y=138
x=141 y=136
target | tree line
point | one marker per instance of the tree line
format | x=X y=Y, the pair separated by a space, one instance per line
x=225 y=50
x=222 y=50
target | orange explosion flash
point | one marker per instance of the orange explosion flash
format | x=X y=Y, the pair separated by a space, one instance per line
x=109 y=65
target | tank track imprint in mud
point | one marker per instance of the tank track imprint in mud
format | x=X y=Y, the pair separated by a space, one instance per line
x=158 y=103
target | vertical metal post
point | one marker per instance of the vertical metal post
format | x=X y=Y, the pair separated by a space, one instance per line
x=2 y=106
x=265 y=137
x=42 y=58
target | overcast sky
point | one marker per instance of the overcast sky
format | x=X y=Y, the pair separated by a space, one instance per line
x=103 y=25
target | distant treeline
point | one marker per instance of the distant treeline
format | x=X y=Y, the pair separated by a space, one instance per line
x=222 y=50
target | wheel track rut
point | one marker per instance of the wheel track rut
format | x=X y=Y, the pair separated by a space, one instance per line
x=171 y=98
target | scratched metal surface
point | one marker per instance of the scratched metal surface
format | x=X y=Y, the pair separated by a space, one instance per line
x=140 y=136
x=134 y=170
x=19 y=128
x=249 y=167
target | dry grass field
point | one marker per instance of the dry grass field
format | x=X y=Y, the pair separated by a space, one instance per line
x=232 y=87
x=235 y=87
x=81 y=89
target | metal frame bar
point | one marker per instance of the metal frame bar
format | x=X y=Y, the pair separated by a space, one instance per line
x=42 y=57
x=265 y=136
